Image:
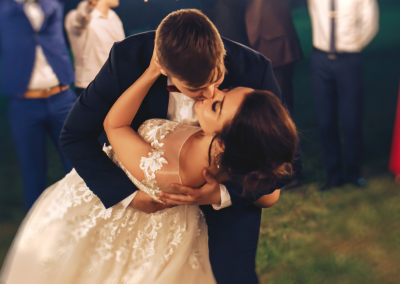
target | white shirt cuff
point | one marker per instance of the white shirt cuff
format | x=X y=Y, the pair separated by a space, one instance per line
x=128 y=200
x=225 y=198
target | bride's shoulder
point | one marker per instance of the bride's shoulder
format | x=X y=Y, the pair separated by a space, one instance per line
x=156 y=129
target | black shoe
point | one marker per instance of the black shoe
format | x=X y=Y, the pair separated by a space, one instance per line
x=358 y=182
x=331 y=184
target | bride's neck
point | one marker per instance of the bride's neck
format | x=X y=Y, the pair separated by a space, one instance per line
x=201 y=143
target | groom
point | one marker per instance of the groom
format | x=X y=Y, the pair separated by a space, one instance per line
x=192 y=54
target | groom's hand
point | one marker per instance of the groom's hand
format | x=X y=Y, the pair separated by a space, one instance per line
x=143 y=202
x=209 y=193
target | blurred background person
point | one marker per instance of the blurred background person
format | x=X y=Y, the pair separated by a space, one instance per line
x=92 y=28
x=394 y=162
x=228 y=17
x=267 y=27
x=341 y=29
x=270 y=31
x=36 y=73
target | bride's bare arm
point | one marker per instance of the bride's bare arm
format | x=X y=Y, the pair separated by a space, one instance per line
x=127 y=144
x=269 y=200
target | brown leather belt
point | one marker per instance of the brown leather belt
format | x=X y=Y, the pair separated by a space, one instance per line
x=43 y=94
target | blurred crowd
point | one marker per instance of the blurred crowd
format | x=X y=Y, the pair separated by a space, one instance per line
x=37 y=72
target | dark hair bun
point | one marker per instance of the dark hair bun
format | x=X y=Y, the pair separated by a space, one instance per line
x=260 y=142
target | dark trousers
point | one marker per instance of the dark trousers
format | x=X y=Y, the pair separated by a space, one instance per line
x=31 y=120
x=337 y=87
x=284 y=77
x=232 y=239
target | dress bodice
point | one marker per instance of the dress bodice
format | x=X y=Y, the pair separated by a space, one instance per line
x=161 y=166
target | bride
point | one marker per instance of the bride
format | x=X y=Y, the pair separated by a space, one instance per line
x=69 y=236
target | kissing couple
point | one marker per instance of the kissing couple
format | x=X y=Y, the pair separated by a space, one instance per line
x=199 y=143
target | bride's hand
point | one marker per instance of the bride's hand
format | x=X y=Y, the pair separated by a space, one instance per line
x=155 y=65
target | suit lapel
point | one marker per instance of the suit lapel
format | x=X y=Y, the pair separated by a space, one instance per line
x=19 y=12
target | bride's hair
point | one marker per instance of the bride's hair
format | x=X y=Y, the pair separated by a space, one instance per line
x=260 y=143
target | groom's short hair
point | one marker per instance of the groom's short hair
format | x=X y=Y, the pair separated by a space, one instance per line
x=189 y=47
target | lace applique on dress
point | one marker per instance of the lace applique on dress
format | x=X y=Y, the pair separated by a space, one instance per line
x=71 y=235
x=152 y=131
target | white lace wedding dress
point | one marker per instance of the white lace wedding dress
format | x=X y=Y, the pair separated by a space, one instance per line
x=69 y=237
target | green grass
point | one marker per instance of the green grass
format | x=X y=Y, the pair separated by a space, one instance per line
x=347 y=235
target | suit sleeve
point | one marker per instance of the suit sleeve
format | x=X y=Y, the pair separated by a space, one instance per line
x=83 y=126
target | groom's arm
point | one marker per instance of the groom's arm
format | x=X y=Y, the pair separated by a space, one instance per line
x=79 y=137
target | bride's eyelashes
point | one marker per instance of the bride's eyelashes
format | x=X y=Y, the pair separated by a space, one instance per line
x=214 y=105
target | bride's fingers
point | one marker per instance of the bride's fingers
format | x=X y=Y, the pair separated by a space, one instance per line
x=171 y=202
x=177 y=199
x=177 y=203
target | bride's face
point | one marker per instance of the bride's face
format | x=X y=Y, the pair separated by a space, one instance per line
x=214 y=113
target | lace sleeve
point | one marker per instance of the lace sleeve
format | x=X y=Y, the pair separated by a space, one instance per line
x=152 y=131
x=150 y=191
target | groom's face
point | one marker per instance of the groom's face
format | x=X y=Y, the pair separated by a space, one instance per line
x=199 y=93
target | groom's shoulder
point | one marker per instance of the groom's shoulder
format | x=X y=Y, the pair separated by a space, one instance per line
x=141 y=38
x=136 y=44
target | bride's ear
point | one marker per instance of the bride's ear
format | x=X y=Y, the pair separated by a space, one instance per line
x=220 y=146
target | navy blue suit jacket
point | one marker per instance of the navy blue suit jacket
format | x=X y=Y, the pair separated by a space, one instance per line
x=233 y=231
x=18 y=41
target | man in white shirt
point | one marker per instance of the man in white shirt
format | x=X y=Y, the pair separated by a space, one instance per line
x=92 y=28
x=341 y=30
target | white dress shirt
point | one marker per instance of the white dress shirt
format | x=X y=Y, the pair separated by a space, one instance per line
x=43 y=76
x=356 y=24
x=181 y=109
x=91 y=35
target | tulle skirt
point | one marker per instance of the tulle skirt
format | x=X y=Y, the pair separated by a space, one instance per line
x=69 y=237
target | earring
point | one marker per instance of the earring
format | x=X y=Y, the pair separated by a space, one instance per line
x=216 y=156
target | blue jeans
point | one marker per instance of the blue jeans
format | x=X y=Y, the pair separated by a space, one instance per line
x=31 y=120
x=337 y=86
